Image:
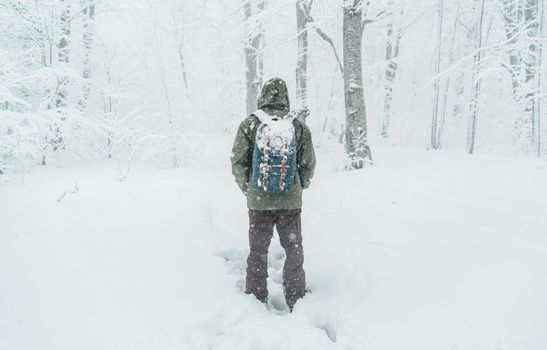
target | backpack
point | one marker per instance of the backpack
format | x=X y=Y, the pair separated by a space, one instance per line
x=274 y=154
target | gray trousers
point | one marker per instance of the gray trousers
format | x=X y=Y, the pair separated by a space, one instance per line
x=288 y=225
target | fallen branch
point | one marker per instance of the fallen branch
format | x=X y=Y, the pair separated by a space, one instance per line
x=133 y=152
x=76 y=189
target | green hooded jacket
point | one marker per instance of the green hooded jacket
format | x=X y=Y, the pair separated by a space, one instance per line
x=274 y=100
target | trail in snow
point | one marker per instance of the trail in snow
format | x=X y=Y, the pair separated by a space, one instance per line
x=265 y=326
x=235 y=261
x=424 y=251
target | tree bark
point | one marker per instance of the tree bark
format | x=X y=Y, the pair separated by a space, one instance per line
x=538 y=124
x=357 y=148
x=522 y=22
x=88 y=11
x=392 y=55
x=436 y=89
x=302 y=8
x=511 y=19
x=447 y=83
x=531 y=68
x=476 y=81
x=64 y=52
x=254 y=53
x=178 y=19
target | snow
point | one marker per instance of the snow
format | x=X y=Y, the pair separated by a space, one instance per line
x=278 y=132
x=427 y=250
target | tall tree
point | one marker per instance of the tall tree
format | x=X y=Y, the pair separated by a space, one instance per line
x=393 y=39
x=254 y=51
x=357 y=148
x=64 y=52
x=538 y=123
x=444 y=103
x=436 y=89
x=302 y=21
x=531 y=67
x=88 y=11
x=476 y=81
x=512 y=16
x=178 y=21
x=521 y=20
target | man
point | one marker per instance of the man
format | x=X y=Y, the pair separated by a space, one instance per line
x=273 y=201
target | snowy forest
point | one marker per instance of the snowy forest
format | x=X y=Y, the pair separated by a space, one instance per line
x=423 y=227
x=94 y=79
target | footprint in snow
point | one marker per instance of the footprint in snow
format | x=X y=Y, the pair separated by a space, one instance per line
x=236 y=263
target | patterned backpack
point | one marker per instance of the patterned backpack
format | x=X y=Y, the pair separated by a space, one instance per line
x=274 y=155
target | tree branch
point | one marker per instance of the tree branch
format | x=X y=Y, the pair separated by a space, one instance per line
x=372 y=20
x=306 y=12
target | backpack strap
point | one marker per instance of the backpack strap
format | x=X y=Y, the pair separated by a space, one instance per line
x=297 y=131
x=284 y=166
x=264 y=166
x=254 y=123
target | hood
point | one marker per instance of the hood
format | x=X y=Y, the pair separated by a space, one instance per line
x=274 y=96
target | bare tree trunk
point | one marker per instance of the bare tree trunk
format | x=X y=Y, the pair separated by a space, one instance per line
x=357 y=148
x=472 y=126
x=36 y=26
x=178 y=18
x=61 y=92
x=447 y=83
x=538 y=140
x=521 y=20
x=436 y=89
x=392 y=55
x=530 y=60
x=183 y=65
x=302 y=8
x=88 y=11
x=64 y=52
x=512 y=23
x=254 y=53
x=109 y=104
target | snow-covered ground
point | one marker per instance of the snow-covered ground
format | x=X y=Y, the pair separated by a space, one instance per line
x=425 y=251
